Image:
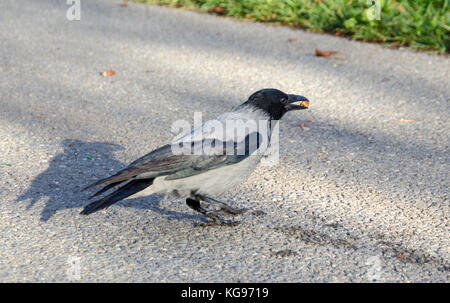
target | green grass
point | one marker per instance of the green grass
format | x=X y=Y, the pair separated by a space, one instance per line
x=420 y=24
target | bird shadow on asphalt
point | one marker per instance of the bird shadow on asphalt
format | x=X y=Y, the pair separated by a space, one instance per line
x=81 y=163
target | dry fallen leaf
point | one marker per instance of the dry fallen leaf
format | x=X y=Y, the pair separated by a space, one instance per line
x=320 y=53
x=108 y=73
x=124 y=4
x=293 y=39
x=219 y=10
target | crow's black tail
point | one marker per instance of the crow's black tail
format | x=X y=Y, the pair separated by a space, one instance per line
x=123 y=192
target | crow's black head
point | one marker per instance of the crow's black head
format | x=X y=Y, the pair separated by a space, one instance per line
x=275 y=102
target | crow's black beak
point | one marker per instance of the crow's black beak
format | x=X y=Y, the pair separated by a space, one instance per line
x=304 y=102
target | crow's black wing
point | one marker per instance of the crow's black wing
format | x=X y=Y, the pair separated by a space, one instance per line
x=163 y=161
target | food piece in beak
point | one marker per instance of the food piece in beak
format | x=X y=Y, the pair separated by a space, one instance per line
x=304 y=102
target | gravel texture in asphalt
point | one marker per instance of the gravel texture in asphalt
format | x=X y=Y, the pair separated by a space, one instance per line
x=361 y=192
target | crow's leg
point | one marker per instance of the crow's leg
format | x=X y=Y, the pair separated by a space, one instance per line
x=223 y=206
x=216 y=221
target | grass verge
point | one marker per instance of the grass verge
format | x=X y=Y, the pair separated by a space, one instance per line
x=420 y=24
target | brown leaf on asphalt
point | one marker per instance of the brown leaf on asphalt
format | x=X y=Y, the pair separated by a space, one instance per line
x=293 y=39
x=124 y=3
x=320 y=53
x=108 y=73
x=218 y=10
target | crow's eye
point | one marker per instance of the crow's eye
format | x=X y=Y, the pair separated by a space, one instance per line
x=284 y=100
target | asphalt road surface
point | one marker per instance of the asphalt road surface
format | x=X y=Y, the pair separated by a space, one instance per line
x=361 y=193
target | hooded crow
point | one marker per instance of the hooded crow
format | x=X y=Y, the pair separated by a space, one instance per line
x=205 y=162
